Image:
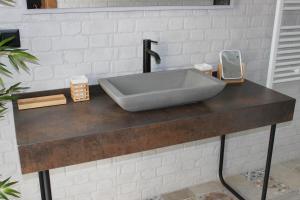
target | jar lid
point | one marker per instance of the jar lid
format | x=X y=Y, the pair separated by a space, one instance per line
x=79 y=79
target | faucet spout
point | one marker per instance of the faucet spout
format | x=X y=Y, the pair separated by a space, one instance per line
x=155 y=55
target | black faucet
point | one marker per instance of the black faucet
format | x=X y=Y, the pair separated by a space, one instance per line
x=147 y=55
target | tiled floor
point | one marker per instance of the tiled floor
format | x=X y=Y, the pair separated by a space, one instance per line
x=284 y=185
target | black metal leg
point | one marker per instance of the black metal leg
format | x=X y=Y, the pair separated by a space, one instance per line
x=269 y=162
x=45 y=185
x=267 y=169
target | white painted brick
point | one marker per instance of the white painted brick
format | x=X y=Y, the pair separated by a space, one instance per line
x=197 y=58
x=149 y=163
x=197 y=22
x=5 y=146
x=174 y=36
x=128 y=188
x=98 y=27
x=8 y=169
x=73 y=56
x=50 y=58
x=70 y=42
x=99 y=41
x=216 y=46
x=83 y=188
x=98 y=54
x=127 y=52
x=40 y=29
x=122 y=179
x=167 y=169
x=101 y=67
x=177 y=61
x=219 y=22
x=237 y=33
x=127 y=39
x=126 y=25
x=196 y=47
x=148 y=173
x=175 y=24
x=7 y=16
x=197 y=35
x=128 y=168
x=237 y=22
x=153 y=24
x=126 y=65
x=41 y=44
x=104 y=173
x=168 y=49
x=43 y=73
x=69 y=70
x=71 y=28
x=155 y=182
x=214 y=34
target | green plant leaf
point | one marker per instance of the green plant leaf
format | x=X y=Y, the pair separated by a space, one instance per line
x=7 y=40
x=2 y=183
x=5 y=186
x=8 y=2
x=18 y=59
x=10 y=183
x=11 y=192
x=3 y=196
x=4 y=71
x=13 y=62
x=1 y=83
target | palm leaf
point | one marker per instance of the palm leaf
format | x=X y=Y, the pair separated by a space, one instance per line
x=18 y=58
x=5 y=186
x=7 y=40
x=7 y=2
x=4 y=71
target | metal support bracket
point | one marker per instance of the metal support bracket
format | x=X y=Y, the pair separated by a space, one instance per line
x=267 y=169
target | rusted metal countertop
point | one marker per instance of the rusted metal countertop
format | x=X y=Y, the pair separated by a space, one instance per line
x=70 y=134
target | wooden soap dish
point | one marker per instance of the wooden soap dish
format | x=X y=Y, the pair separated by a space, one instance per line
x=38 y=102
x=230 y=81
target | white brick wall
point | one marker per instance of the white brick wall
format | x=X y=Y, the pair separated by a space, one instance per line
x=110 y=43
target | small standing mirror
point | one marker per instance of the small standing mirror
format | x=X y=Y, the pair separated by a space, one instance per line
x=231 y=65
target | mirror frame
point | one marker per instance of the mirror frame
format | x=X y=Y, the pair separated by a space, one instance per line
x=122 y=9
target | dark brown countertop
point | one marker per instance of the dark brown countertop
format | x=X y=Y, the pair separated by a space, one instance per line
x=70 y=134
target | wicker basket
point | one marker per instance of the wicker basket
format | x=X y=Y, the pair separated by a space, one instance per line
x=80 y=89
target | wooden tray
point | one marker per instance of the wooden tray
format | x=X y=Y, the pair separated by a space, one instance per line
x=39 y=102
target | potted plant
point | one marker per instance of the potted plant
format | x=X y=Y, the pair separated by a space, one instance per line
x=17 y=59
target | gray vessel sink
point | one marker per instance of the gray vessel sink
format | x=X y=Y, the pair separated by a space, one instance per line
x=161 y=89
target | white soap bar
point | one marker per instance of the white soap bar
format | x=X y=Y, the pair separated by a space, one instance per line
x=79 y=79
x=203 y=67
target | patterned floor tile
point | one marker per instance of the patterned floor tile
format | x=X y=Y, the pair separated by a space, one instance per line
x=275 y=186
x=288 y=196
x=184 y=194
x=284 y=184
x=215 y=196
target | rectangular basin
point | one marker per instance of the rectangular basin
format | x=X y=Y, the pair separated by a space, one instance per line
x=161 y=89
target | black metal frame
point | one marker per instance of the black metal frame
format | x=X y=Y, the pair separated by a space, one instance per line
x=45 y=185
x=267 y=169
